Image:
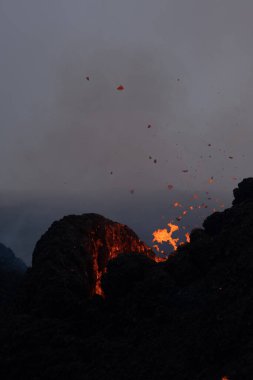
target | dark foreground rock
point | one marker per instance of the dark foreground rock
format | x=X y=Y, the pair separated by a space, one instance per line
x=189 y=318
x=70 y=259
x=12 y=270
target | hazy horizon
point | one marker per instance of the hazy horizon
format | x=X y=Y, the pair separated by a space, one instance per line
x=23 y=221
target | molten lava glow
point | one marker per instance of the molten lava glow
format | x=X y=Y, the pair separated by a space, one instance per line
x=98 y=289
x=161 y=236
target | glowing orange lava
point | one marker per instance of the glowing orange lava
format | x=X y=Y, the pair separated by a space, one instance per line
x=165 y=236
x=161 y=236
x=98 y=289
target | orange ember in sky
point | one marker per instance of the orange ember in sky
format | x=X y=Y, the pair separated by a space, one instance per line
x=187 y=236
x=177 y=204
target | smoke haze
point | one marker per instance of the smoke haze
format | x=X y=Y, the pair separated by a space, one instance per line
x=72 y=145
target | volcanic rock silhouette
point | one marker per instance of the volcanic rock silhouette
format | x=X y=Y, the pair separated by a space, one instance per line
x=12 y=270
x=189 y=318
x=244 y=192
x=70 y=258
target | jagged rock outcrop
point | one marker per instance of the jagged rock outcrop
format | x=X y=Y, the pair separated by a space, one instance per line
x=12 y=270
x=70 y=258
x=244 y=191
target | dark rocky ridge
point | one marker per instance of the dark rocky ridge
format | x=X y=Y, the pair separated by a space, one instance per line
x=244 y=191
x=189 y=318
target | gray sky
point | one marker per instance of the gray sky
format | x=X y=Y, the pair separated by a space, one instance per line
x=187 y=69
